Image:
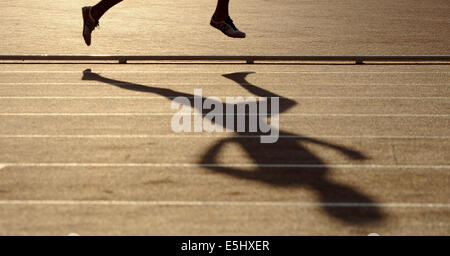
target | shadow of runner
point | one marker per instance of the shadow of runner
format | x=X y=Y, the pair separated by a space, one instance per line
x=289 y=150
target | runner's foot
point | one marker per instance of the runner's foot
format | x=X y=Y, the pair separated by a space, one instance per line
x=89 y=24
x=227 y=27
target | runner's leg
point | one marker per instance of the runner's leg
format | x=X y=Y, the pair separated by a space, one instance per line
x=221 y=10
x=103 y=6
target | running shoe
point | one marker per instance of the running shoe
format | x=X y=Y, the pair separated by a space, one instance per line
x=89 y=24
x=227 y=27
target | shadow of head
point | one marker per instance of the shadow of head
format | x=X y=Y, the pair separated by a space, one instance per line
x=341 y=202
x=288 y=163
x=348 y=205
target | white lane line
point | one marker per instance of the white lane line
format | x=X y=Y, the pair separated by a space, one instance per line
x=165 y=98
x=187 y=165
x=206 y=136
x=217 y=84
x=283 y=114
x=218 y=72
x=2 y=166
x=224 y=203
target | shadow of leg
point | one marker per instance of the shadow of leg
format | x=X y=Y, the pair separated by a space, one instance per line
x=347 y=204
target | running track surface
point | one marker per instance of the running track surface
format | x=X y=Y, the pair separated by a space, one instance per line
x=364 y=148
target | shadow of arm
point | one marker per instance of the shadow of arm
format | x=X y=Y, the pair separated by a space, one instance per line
x=353 y=154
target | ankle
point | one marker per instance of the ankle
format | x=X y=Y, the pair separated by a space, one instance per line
x=219 y=17
x=93 y=14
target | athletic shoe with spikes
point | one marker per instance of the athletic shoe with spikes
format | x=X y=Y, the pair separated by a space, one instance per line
x=89 y=24
x=227 y=27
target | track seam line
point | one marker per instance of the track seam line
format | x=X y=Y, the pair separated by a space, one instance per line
x=191 y=113
x=209 y=84
x=156 y=165
x=165 y=98
x=131 y=136
x=193 y=72
x=223 y=203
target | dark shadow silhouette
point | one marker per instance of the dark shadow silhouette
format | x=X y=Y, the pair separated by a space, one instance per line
x=302 y=168
x=284 y=103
